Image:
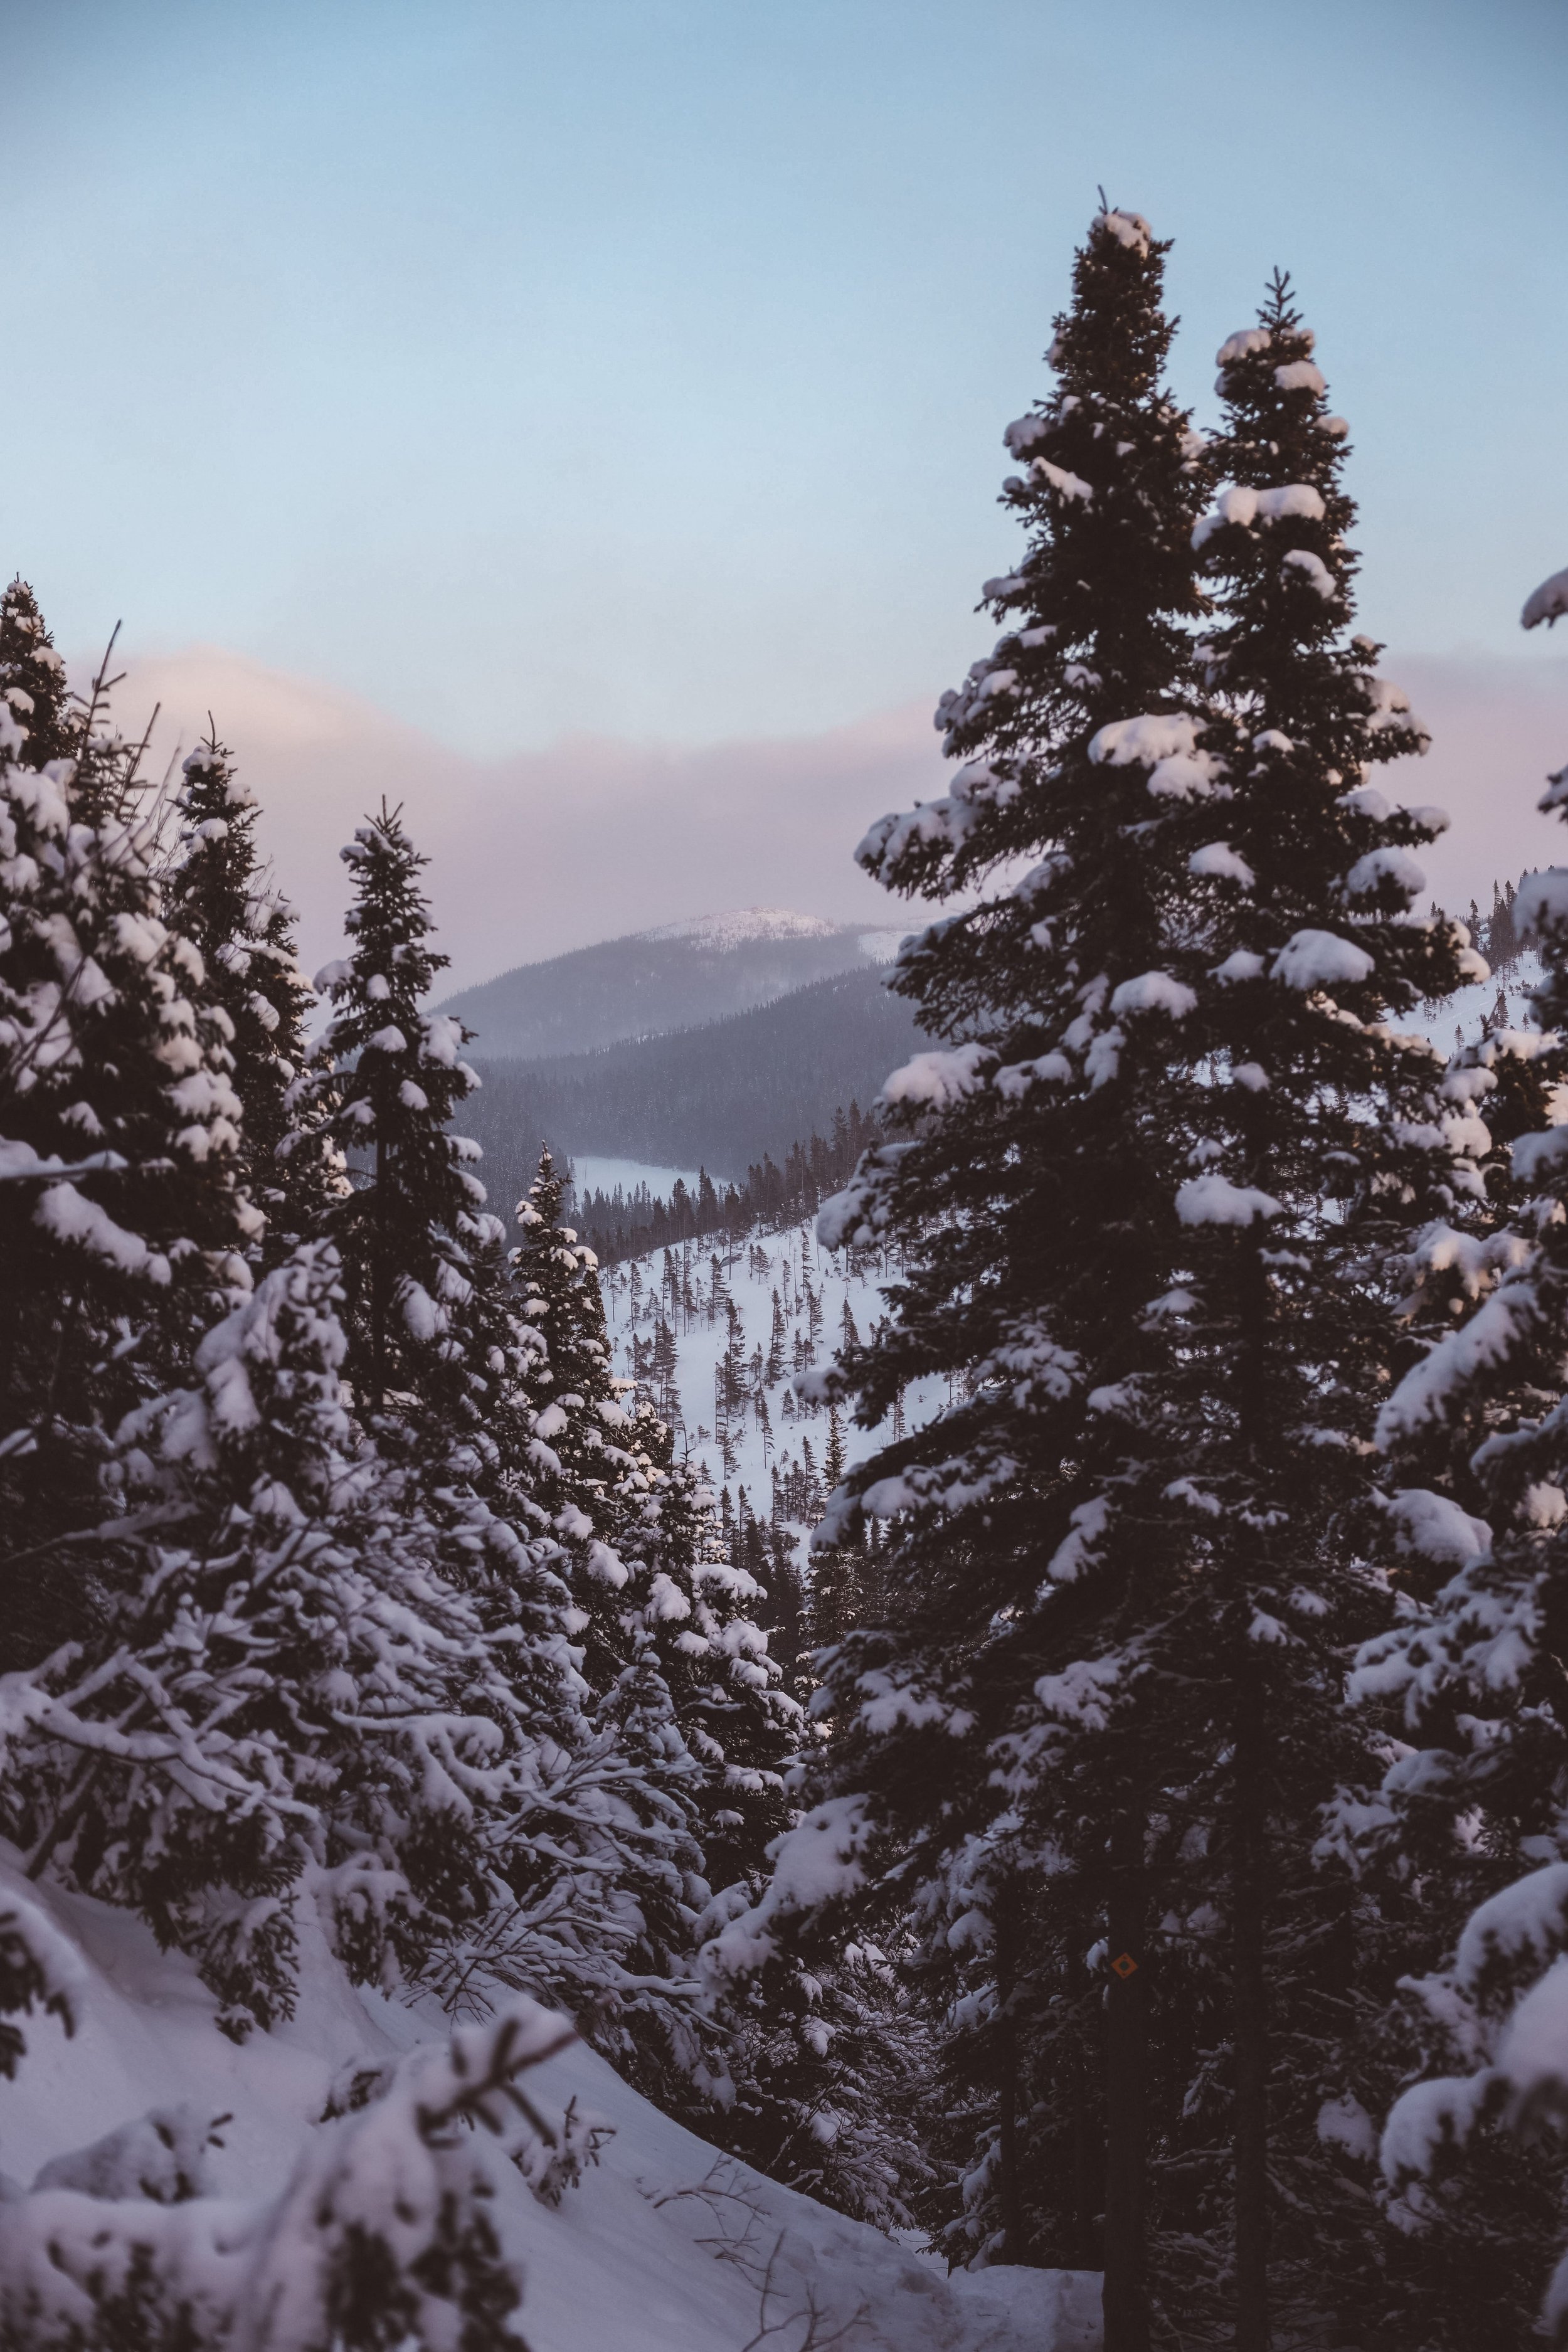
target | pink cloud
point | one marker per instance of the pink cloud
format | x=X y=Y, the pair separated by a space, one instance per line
x=543 y=851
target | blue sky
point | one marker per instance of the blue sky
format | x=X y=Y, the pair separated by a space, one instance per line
x=637 y=366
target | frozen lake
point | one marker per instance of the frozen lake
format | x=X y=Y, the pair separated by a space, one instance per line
x=596 y=1175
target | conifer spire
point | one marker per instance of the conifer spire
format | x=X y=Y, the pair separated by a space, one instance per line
x=220 y=897
x=386 y=1079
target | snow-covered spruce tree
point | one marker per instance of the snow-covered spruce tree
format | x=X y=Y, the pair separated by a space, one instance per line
x=294 y=1696
x=650 y=1570
x=123 y=1212
x=219 y=897
x=1473 y=1816
x=384 y=1082
x=1138 y=1196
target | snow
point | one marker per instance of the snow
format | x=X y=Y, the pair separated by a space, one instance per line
x=939 y=1078
x=1527 y=1921
x=1068 y=486
x=70 y=1216
x=1300 y=375
x=1143 y=741
x=1533 y=2052
x=625 y=2262
x=742 y=923
x=1218 y=860
x=1241 y=964
x=1243 y=506
x=1129 y=229
x=1154 y=991
x=1436 y=1529
x=1313 y=569
x=1380 y=866
x=1548 y=603
x=789 y=1262
x=1212 y=1200
x=1312 y=959
x=1469 y=1008
x=1242 y=346
x=1542 y=899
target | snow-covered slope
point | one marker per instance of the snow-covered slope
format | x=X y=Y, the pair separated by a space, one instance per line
x=664 y=2247
x=744 y=1442
x=1458 y=1019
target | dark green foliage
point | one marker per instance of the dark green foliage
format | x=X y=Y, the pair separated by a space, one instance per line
x=1102 y=1695
x=386 y=1079
x=122 y=1211
x=221 y=900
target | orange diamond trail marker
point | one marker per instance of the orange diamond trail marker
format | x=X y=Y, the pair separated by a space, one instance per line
x=1125 y=1966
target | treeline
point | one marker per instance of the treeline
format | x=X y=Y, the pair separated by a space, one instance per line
x=725 y=1096
x=1505 y=932
x=617 y=1226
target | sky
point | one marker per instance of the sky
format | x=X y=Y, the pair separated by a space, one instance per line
x=572 y=384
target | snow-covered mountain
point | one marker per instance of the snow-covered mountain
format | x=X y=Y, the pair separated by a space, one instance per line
x=677 y=976
x=743 y=923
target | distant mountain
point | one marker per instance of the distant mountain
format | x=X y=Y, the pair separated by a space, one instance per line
x=675 y=977
x=718 y=1096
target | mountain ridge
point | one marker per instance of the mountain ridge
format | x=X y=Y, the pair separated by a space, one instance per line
x=646 y=984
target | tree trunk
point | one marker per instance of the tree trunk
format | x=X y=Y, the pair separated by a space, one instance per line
x=1006 y=1922
x=1126 y=2295
x=1251 y=2022
x=378 y=1281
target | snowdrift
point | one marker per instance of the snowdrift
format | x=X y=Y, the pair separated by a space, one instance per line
x=665 y=2246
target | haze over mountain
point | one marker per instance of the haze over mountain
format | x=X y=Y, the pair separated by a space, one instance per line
x=542 y=852
x=676 y=976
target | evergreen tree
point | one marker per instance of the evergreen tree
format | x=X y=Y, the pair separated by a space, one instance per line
x=294 y=1689
x=1119 y=1589
x=1471 y=1816
x=218 y=896
x=385 y=1083
x=123 y=1212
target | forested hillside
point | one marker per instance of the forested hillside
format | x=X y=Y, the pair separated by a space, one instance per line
x=718 y=1098
x=679 y=977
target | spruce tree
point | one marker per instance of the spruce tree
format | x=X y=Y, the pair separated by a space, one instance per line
x=219 y=897
x=1137 y=1193
x=384 y=1085
x=123 y=1217
x=1471 y=1816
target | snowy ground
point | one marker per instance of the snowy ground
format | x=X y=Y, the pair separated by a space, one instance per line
x=1459 y=1018
x=632 y=2259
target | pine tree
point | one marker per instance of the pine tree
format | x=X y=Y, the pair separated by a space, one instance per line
x=1471 y=1815
x=122 y=1214
x=298 y=1685
x=218 y=896
x=1120 y=1591
x=385 y=1081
